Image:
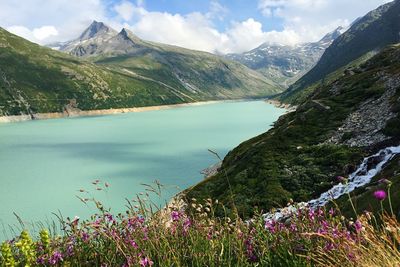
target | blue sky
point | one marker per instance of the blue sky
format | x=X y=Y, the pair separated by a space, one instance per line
x=238 y=10
x=218 y=26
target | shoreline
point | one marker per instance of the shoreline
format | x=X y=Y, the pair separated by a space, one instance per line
x=100 y=112
x=75 y=112
x=279 y=104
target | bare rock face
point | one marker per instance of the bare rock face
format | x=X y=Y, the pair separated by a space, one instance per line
x=212 y=170
x=363 y=127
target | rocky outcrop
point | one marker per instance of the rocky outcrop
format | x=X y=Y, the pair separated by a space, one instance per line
x=212 y=170
x=364 y=126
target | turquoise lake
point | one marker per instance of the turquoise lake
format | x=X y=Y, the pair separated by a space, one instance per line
x=44 y=163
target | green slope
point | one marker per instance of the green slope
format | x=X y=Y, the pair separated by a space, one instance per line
x=204 y=75
x=35 y=79
x=201 y=73
x=371 y=33
x=292 y=160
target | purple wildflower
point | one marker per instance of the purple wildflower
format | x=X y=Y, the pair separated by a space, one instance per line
x=85 y=236
x=380 y=195
x=186 y=225
x=40 y=260
x=270 y=225
x=141 y=220
x=352 y=257
x=55 y=258
x=146 y=262
x=320 y=212
x=70 y=249
x=250 y=250
x=175 y=215
x=311 y=215
x=358 y=226
x=329 y=246
x=110 y=218
x=134 y=244
x=293 y=227
x=331 y=211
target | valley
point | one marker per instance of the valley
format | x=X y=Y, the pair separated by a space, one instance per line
x=275 y=145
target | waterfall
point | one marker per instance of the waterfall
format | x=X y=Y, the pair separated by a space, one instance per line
x=360 y=177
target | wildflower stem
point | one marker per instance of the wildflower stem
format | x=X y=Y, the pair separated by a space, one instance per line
x=351 y=202
x=390 y=201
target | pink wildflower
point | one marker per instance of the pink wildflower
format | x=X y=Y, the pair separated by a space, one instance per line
x=380 y=195
x=146 y=262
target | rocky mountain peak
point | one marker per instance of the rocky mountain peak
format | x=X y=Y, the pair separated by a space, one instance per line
x=129 y=35
x=96 y=29
x=330 y=37
x=124 y=32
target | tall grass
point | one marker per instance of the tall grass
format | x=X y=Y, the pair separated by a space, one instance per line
x=146 y=235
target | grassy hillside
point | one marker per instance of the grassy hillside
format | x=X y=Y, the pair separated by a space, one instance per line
x=37 y=79
x=192 y=71
x=184 y=69
x=297 y=97
x=371 y=33
x=293 y=159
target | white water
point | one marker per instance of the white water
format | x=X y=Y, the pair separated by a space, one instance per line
x=358 y=178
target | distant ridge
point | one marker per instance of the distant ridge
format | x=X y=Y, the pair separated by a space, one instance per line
x=371 y=33
x=285 y=64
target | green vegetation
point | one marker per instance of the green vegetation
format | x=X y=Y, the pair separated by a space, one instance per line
x=148 y=235
x=296 y=95
x=36 y=79
x=193 y=73
x=292 y=160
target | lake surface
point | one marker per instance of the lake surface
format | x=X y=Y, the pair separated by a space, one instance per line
x=44 y=163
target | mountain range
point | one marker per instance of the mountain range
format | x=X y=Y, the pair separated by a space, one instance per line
x=366 y=36
x=105 y=69
x=176 y=66
x=284 y=64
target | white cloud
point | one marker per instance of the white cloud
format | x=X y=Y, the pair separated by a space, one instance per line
x=125 y=10
x=196 y=31
x=243 y=36
x=269 y=7
x=303 y=21
x=21 y=31
x=69 y=18
x=61 y=20
x=192 y=30
x=44 y=32
x=36 y=35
